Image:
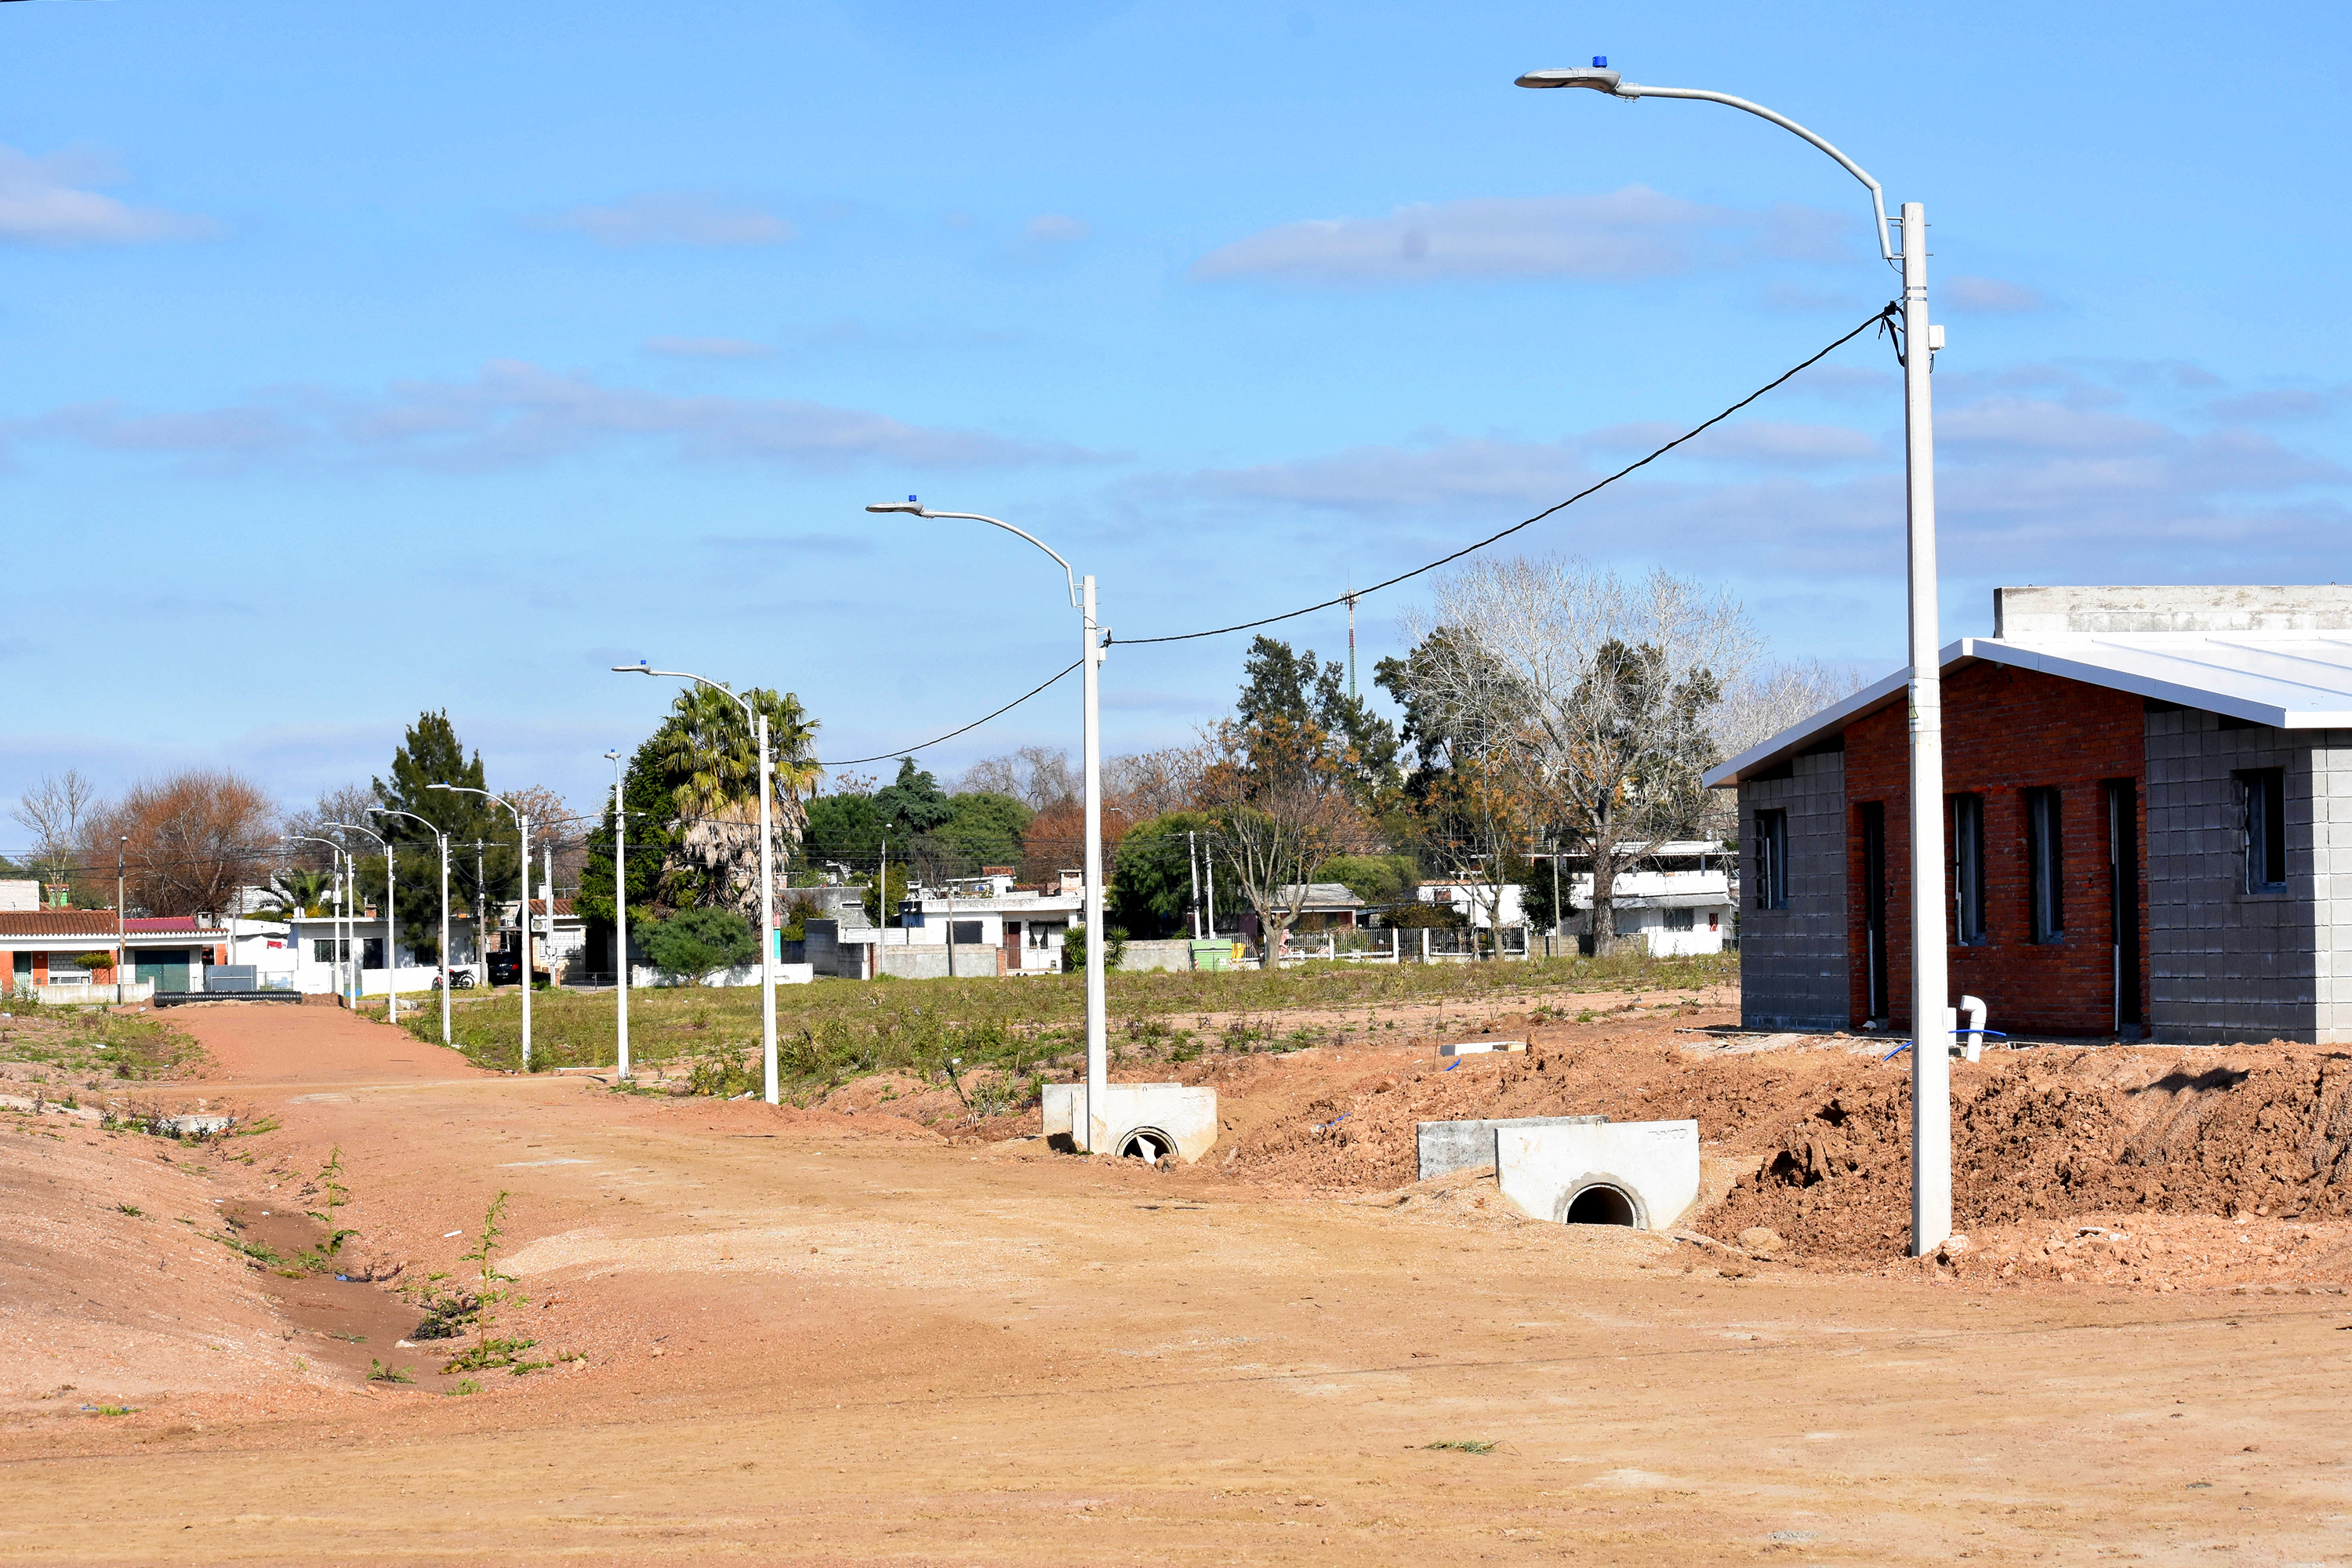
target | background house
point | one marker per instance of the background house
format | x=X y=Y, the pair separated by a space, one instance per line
x=2147 y=824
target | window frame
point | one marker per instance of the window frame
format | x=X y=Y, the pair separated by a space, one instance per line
x=1681 y=919
x=2045 y=866
x=2262 y=824
x=1963 y=821
x=1772 y=855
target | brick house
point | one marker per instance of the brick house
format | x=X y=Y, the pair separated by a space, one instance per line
x=43 y=947
x=2142 y=829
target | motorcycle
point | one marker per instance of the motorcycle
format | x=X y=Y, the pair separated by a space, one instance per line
x=459 y=979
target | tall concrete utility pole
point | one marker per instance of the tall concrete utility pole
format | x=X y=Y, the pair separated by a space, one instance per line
x=1931 y=1027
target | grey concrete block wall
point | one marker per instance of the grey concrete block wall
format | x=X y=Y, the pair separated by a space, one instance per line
x=1792 y=961
x=2224 y=963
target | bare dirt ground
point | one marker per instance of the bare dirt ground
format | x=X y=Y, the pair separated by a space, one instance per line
x=834 y=1335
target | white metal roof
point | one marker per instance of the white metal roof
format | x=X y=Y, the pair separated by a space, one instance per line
x=2291 y=681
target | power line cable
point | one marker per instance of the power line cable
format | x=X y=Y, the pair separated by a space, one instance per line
x=1885 y=317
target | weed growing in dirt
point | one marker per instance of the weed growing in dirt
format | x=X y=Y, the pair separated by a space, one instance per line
x=1464 y=1445
x=134 y=1213
x=329 y=1181
x=113 y=1409
x=379 y=1373
x=465 y=1385
x=490 y=1293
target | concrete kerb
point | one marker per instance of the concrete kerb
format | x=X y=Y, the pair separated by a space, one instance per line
x=1144 y=1121
x=1551 y=1173
x=1446 y=1147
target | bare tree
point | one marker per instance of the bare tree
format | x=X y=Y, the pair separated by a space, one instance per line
x=1769 y=699
x=1146 y=784
x=189 y=842
x=53 y=812
x=1279 y=790
x=345 y=802
x=1606 y=690
x=1037 y=776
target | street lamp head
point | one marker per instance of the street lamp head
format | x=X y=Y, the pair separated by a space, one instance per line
x=1596 y=76
x=909 y=505
x=437 y=786
x=611 y=756
x=643 y=667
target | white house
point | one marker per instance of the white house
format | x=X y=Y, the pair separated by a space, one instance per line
x=1678 y=897
x=1474 y=901
x=323 y=944
x=982 y=925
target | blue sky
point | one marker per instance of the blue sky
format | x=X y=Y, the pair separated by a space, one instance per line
x=367 y=359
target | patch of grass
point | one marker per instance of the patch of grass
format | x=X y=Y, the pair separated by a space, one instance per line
x=379 y=1373
x=465 y=1386
x=89 y=1042
x=1464 y=1445
x=836 y=1030
x=257 y=1128
x=350 y=1339
x=114 y=1410
x=133 y=1212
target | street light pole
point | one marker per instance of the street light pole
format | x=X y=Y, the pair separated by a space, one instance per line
x=1931 y=1089
x=523 y=906
x=121 y=844
x=620 y=915
x=442 y=839
x=759 y=721
x=1094 y=646
x=390 y=929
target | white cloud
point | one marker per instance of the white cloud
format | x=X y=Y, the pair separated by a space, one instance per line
x=513 y=413
x=708 y=348
x=672 y=217
x=1631 y=232
x=1988 y=296
x=43 y=201
x=1054 y=229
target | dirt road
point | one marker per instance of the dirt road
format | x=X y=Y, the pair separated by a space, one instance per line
x=817 y=1338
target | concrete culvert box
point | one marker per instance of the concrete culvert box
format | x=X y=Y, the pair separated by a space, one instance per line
x=1149 y=1121
x=1643 y=1175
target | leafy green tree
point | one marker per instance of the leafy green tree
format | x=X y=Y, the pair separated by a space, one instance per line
x=913 y=803
x=847 y=828
x=984 y=828
x=1152 y=874
x=1297 y=694
x=431 y=754
x=695 y=941
x=1379 y=881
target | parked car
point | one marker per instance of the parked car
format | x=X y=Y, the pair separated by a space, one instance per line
x=507 y=967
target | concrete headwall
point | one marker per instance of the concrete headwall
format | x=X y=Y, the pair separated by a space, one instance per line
x=1792 y=961
x=1654 y=1166
x=1174 y=953
x=1449 y=1146
x=1186 y=1116
x=2225 y=963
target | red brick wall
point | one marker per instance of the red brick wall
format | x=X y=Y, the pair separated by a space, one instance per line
x=2007 y=730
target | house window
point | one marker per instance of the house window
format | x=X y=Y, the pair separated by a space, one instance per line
x=1680 y=919
x=1967 y=868
x=2266 y=797
x=2045 y=867
x=965 y=932
x=371 y=952
x=1771 y=859
x=324 y=950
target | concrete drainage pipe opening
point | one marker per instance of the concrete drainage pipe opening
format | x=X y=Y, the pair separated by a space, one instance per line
x=1147 y=1144
x=1602 y=1206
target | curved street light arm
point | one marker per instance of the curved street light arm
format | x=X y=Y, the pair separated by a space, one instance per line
x=371 y=833
x=919 y=511
x=642 y=667
x=486 y=794
x=389 y=811
x=1610 y=82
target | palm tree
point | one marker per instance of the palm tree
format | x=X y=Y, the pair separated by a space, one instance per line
x=709 y=755
x=300 y=888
